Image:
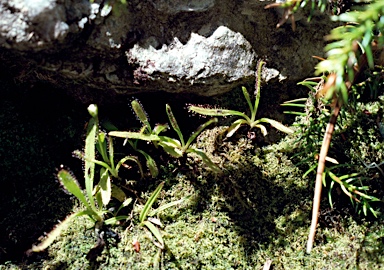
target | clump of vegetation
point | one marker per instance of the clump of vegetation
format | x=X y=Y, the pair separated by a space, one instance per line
x=344 y=65
x=175 y=147
x=97 y=196
x=351 y=51
x=245 y=119
x=257 y=211
x=251 y=209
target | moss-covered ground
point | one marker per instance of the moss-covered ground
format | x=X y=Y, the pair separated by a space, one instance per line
x=257 y=210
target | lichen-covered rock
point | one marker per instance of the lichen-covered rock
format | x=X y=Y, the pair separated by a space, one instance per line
x=203 y=47
x=214 y=63
x=37 y=25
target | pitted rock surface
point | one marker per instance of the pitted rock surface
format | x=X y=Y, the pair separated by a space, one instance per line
x=204 y=47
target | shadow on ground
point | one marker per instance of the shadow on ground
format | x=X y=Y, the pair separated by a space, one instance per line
x=38 y=126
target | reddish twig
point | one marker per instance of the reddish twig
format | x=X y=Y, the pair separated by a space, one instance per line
x=331 y=81
x=320 y=169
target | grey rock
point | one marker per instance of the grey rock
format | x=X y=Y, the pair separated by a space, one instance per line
x=176 y=6
x=214 y=63
x=206 y=47
x=39 y=24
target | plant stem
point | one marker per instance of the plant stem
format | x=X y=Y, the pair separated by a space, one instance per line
x=319 y=173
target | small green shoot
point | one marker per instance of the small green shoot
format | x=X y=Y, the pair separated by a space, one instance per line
x=105 y=189
x=246 y=120
x=146 y=133
x=96 y=197
x=174 y=147
x=177 y=148
x=146 y=214
x=352 y=186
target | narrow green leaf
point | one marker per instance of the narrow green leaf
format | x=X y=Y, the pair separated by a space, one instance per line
x=276 y=125
x=55 y=232
x=141 y=114
x=160 y=128
x=102 y=146
x=150 y=202
x=206 y=160
x=311 y=169
x=105 y=186
x=344 y=93
x=89 y=154
x=175 y=152
x=247 y=98
x=170 y=141
x=166 y=206
x=235 y=126
x=215 y=112
x=310 y=87
x=365 y=209
x=199 y=130
x=293 y=105
x=263 y=129
x=134 y=135
x=118 y=193
x=97 y=197
x=349 y=177
x=132 y=158
x=308 y=84
x=335 y=45
x=174 y=124
x=257 y=90
x=111 y=155
x=347 y=17
x=330 y=194
x=124 y=204
x=295 y=113
x=155 y=231
x=323 y=179
x=107 y=125
x=69 y=182
x=101 y=163
x=114 y=220
x=151 y=164
x=373 y=212
x=369 y=54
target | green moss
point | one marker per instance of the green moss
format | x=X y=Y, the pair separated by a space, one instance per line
x=258 y=209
